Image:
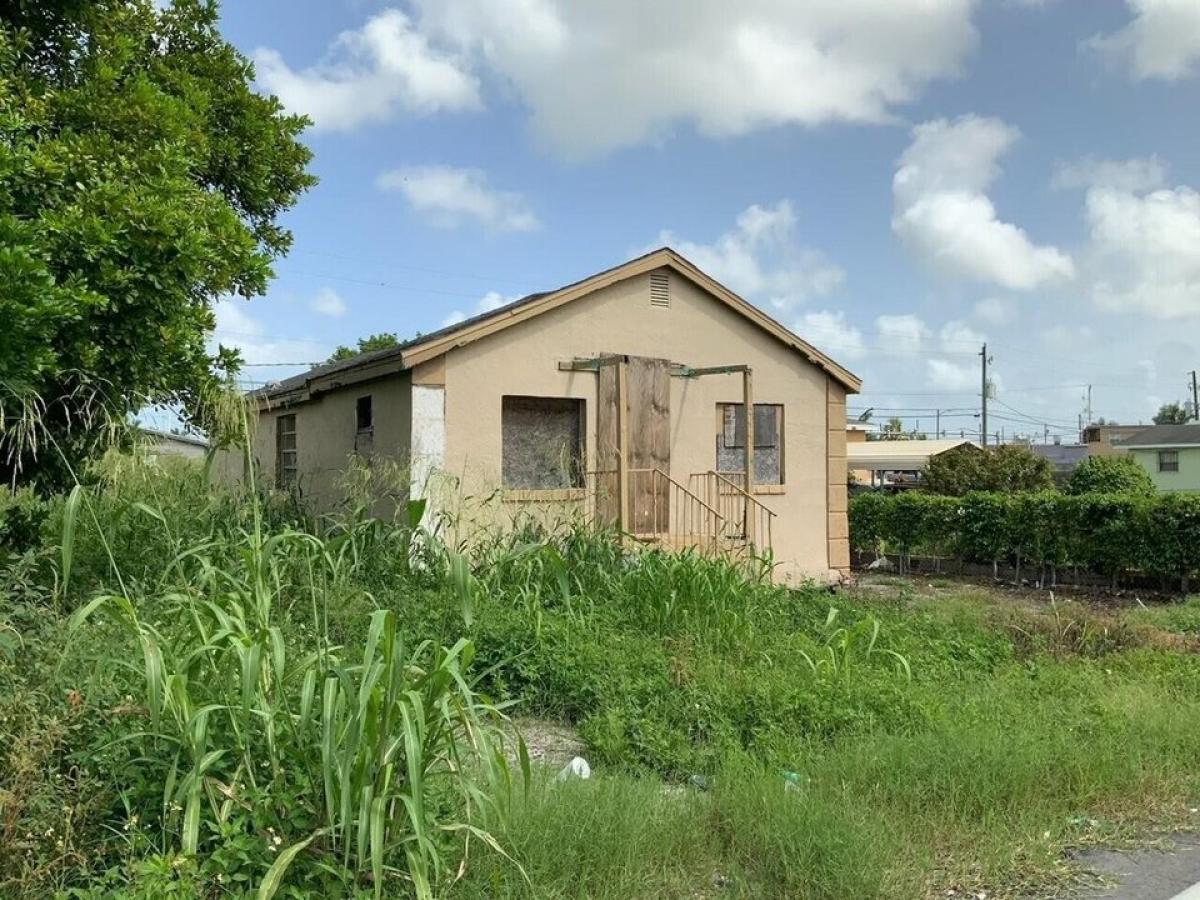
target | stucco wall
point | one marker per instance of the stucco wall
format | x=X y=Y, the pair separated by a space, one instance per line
x=325 y=435
x=1186 y=479
x=695 y=330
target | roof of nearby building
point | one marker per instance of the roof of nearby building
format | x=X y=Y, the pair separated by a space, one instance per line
x=1064 y=457
x=429 y=346
x=1165 y=436
x=899 y=456
x=194 y=439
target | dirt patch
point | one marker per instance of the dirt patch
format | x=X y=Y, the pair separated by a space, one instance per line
x=550 y=744
x=1151 y=874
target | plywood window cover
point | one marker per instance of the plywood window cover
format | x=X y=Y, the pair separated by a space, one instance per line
x=731 y=439
x=544 y=454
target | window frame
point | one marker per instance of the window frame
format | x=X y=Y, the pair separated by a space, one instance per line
x=723 y=424
x=577 y=476
x=287 y=475
x=1166 y=467
x=359 y=427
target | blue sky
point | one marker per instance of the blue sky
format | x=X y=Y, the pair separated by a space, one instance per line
x=896 y=180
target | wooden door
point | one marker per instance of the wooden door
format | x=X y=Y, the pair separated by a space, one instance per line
x=633 y=423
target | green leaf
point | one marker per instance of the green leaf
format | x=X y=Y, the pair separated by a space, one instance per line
x=274 y=877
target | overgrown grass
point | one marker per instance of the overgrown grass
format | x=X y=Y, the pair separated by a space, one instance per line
x=749 y=741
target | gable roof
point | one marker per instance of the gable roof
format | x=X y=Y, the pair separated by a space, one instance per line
x=899 y=456
x=1165 y=436
x=425 y=347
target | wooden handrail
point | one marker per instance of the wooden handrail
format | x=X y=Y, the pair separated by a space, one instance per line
x=686 y=491
x=744 y=492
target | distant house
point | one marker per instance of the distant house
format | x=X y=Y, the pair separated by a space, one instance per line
x=1064 y=457
x=1170 y=453
x=897 y=464
x=621 y=398
x=168 y=443
x=1106 y=440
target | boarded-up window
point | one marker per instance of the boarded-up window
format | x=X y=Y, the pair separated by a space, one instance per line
x=542 y=442
x=768 y=440
x=285 y=451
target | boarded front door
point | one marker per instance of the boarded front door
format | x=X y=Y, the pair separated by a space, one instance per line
x=633 y=425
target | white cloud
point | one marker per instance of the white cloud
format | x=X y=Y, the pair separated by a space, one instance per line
x=945 y=217
x=948 y=376
x=600 y=76
x=450 y=196
x=1127 y=175
x=995 y=310
x=237 y=328
x=901 y=335
x=1161 y=41
x=830 y=331
x=488 y=302
x=369 y=75
x=328 y=302
x=958 y=337
x=1147 y=250
x=762 y=258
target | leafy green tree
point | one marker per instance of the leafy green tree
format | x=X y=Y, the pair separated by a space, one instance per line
x=380 y=341
x=141 y=179
x=1110 y=475
x=1171 y=414
x=1009 y=468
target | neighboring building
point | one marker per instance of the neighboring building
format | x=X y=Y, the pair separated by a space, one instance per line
x=1170 y=453
x=1106 y=440
x=856 y=433
x=168 y=443
x=621 y=397
x=1064 y=457
x=897 y=464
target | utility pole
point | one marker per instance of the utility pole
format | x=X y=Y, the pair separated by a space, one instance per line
x=937 y=429
x=983 y=396
x=1045 y=434
x=1089 y=405
x=1195 y=398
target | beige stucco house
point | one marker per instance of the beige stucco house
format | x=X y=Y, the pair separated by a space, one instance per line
x=620 y=397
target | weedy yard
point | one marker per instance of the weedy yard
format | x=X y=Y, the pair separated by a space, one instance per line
x=204 y=695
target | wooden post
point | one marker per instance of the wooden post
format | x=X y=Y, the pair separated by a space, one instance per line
x=623 y=445
x=748 y=405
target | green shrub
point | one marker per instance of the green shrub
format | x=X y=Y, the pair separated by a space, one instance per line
x=1109 y=534
x=965 y=469
x=1110 y=475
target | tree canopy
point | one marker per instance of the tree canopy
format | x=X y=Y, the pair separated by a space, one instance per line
x=380 y=341
x=141 y=179
x=1009 y=467
x=1172 y=414
x=1110 y=475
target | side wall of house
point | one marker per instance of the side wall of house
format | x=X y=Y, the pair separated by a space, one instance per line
x=326 y=435
x=695 y=330
x=1187 y=479
x=837 y=516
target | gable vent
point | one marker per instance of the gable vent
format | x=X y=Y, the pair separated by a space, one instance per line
x=660 y=289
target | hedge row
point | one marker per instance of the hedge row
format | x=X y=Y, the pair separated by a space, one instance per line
x=1109 y=534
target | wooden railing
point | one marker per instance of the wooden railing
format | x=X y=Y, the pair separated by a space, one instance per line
x=656 y=507
x=746 y=519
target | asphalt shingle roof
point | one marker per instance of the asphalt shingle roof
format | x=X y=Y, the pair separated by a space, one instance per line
x=1164 y=436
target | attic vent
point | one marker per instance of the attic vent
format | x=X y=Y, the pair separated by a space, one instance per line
x=660 y=290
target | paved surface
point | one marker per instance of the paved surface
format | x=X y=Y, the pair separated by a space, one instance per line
x=1147 y=874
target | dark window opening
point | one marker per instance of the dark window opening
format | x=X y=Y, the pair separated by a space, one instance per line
x=542 y=443
x=1168 y=460
x=363 y=414
x=286 y=454
x=768 y=441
